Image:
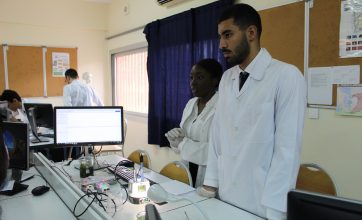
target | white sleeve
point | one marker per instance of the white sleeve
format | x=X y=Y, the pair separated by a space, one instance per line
x=212 y=172
x=290 y=106
x=67 y=99
x=95 y=98
x=194 y=151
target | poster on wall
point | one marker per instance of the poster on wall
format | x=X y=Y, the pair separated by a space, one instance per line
x=349 y=100
x=60 y=63
x=350 y=35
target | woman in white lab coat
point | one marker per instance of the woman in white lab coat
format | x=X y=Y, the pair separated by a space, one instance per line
x=191 y=139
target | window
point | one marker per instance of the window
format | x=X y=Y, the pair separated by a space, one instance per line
x=130 y=80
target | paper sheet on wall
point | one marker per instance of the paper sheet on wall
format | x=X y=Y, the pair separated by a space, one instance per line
x=320 y=86
x=321 y=80
x=60 y=63
x=349 y=100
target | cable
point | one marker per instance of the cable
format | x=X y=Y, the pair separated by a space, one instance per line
x=120 y=163
x=98 y=151
x=66 y=174
x=80 y=154
x=94 y=196
x=46 y=183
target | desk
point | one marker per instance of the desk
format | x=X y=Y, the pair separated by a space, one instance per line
x=24 y=205
x=129 y=210
x=33 y=182
x=69 y=193
x=215 y=209
x=46 y=206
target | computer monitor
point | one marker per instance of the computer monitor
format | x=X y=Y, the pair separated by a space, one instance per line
x=16 y=139
x=88 y=126
x=312 y=206
x=42 y=113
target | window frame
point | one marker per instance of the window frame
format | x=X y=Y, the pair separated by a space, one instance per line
x=123 y=51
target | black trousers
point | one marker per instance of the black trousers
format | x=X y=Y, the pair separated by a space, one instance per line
x=193 y=171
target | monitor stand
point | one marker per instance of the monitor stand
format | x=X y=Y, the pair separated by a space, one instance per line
x=38 y=140
x=96 y=166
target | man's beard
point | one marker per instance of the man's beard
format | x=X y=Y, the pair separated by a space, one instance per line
x=241 y=52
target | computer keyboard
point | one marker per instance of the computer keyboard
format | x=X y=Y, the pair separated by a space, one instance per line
x=125 y=173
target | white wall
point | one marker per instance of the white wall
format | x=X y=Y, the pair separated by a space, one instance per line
x=60 y=23
x=331 y=141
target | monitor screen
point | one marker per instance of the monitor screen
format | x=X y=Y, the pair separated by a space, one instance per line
x=88 y=126
x=43 y=113
x=309 y=206
x=16 y=139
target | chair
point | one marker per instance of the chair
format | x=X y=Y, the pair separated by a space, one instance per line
x=177 y=170
x=313 y=178
x=135 y=157
x=113 y=148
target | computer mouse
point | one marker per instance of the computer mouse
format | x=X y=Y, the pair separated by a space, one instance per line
x=40 y=190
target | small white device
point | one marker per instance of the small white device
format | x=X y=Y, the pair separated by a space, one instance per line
x=137 y=191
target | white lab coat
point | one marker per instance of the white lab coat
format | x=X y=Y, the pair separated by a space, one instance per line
x=194 y=147
x=78 y=93
x=256 y=134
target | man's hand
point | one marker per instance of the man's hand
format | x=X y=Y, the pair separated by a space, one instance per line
x=206 y=191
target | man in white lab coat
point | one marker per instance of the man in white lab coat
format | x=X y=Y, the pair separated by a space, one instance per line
x=255 y=137
x=77 y=93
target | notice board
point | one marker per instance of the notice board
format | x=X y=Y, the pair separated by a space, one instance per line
x=30 y=68
x=55 y=84
x=283 y=33
x=324 y=38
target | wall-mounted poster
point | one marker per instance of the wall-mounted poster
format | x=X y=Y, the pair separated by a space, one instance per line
x=349 y=100
x=350 y=37
x=60 y=63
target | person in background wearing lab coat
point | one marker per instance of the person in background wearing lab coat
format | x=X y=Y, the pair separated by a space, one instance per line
x=77 y=93
x=255 y=137
x=191 y=139
x=14 y=111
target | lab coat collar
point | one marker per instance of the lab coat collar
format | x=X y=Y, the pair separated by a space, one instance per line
x=257 y=67
x=210 y=104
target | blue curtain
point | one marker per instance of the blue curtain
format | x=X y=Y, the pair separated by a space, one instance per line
x=174 y=45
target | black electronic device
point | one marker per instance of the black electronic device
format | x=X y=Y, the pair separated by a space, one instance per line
x=40 y=190
x=152 y=212
x=88 y=126
x=313 y=206
x=31 y=114
x=43 y=113
x=16 y=139
x=125 y=173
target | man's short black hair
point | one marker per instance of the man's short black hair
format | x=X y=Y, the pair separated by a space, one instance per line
x=10 y=95
x=72 y=73
x=244 y=15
